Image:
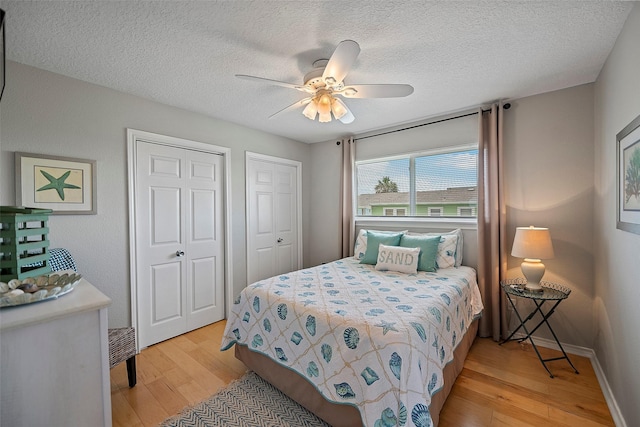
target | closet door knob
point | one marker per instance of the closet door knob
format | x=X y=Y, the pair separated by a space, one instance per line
x=279 y=240
x=179 y=253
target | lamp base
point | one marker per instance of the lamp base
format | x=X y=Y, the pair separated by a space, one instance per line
x=533 y=287
x=533 y=271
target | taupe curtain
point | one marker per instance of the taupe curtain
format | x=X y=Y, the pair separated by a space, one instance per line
x=492 y=258
x=347 y=225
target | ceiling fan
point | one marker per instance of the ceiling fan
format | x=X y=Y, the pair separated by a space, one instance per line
x=324 y=86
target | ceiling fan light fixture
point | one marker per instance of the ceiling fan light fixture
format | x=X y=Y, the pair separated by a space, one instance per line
x=325 y=117
x=311 y=110
x=338 y=108
x=326 y=80
x=324 y=103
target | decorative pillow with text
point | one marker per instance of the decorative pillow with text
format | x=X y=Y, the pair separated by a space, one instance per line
x=397 y=258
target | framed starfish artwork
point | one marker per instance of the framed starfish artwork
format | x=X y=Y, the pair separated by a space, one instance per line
x=65 y=185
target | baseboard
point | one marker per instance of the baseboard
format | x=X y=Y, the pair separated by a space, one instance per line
x=608 y=394
x=569 y=348
x=602 y=379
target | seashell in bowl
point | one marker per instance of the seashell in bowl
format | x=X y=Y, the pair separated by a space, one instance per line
x=14 y=293
x=41 y=294
x=23 y=299
x=42 y=281
x=73 y=278
x=14 y=283
x=53 y=278
x=29 y=287
x=62 y=280
x=4 y=287
x=29 y=280
x=55 y=291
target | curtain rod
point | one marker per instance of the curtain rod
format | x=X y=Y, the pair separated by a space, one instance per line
x=506 y=106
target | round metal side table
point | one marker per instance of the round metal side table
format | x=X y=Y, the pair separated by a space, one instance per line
x=551 y=293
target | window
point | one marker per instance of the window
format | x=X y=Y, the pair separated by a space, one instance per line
x=467 y=211
x=435 y=211
x=395 y=212
x=432 y=184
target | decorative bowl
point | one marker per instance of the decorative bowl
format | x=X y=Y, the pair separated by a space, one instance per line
x=37 y=289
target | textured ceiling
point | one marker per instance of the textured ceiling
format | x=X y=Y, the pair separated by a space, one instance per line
x=185 y=53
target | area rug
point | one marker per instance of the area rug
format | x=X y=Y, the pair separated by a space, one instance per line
x=247 y=402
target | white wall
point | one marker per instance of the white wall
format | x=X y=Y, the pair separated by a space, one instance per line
x=617 y=253
x=548 y=166
x=324 y=224
x=439 y=134
x=47 y=113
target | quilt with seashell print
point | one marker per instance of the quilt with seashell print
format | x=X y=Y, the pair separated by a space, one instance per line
x=378 y=340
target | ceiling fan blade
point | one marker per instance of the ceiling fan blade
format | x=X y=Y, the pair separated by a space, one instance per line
x=293 y=106
x=348 y=117
x=272 y=82
x=376 y=91
x=341 y=61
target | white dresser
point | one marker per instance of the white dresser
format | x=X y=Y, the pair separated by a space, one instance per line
x=54 y=361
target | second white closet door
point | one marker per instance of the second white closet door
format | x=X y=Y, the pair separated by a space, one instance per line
x=272 y=218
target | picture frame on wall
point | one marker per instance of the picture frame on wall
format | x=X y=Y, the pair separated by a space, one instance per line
x=62 y=184
x=628 y=177
x=2 y=53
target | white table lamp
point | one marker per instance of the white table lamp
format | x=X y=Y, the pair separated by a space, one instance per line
x=532 y=244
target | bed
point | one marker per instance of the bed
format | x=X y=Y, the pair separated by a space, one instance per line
x=358 y=345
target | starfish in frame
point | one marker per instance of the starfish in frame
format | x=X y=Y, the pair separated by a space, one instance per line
x=57 y=184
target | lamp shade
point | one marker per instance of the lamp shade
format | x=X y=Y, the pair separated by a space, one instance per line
x=338 y=108
x=324 y=117
x=533 y=243
x=324 y=104
x=311 y=110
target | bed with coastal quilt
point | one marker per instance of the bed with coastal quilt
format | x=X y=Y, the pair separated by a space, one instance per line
x=376 y=339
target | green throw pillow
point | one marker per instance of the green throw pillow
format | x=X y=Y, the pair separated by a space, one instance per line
x=428 y=250
x=373 y=241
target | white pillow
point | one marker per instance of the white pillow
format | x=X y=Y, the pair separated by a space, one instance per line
x=447 y=251
x=397 y=258
x=444 y=247
x=360 y=247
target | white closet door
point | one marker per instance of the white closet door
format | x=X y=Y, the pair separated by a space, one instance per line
x=178 y=240
x=272 y=218
x=205 y=239
x=285 y=218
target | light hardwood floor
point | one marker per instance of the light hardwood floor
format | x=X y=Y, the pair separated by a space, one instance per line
x=499 y=385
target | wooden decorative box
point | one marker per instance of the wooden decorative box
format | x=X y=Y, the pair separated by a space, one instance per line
x=24 y=247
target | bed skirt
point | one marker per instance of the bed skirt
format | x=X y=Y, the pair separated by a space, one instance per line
x=340 y=415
